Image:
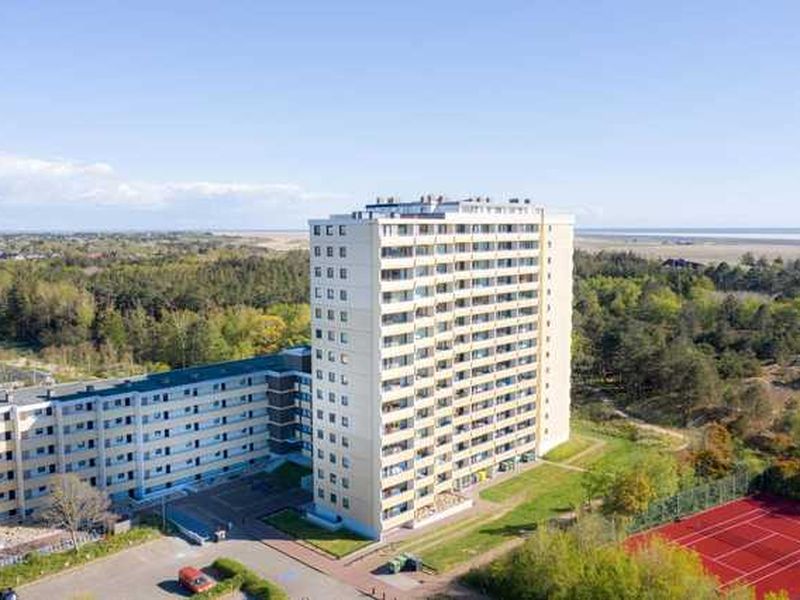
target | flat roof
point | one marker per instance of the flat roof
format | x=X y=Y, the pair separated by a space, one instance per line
x=281 y=362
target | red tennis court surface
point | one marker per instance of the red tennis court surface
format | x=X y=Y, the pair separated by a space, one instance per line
x=755 y=541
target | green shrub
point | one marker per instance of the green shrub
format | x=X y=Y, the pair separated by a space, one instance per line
x=249 y=582
x=783 y=478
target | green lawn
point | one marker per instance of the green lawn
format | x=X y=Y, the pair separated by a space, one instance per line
x=576 y=444
x=546 y=489
x=541 y=492
x=36 y=566
x=616 y=453
x=338 y=543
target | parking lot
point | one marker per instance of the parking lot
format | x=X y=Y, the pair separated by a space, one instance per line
x=150 y=571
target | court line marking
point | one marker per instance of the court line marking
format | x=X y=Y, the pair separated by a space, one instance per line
x=775 y=572
x=780 y=533
x=726 y=566
x=758 y=541
x=768 y=565
x=741 y=519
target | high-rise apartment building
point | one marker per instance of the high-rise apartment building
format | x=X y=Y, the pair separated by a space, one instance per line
x=440 y=353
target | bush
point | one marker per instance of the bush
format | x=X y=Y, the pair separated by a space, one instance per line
x=783 y=478
x=579 y=564
x=36 y=565
x=246 y=580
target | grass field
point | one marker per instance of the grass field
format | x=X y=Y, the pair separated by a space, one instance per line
x=338 y=543
x=525 y=500
x=577 y=443
x=550 y=490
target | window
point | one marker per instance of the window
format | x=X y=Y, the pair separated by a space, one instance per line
x=317 y=251
x=345 y=421
x=343 y=295
x=342 y=273
x=317 y=230
x=329 y=230
x=329 y=272
x=329 y=251
x=345 y=441
x=317 y=292
x=343 y=316
x=342 y=252
x=342 y=230
x=345 y=358
x=330 y=294
x=345 y=483
x=345 y=502
x=345 y=400
x=343 y=337
x=320 y=493
x=345 y=462
x=317 y=271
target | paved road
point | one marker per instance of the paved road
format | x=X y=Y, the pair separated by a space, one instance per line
x=149 y=572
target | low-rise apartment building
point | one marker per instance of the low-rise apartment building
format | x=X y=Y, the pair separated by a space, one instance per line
x=142 y=436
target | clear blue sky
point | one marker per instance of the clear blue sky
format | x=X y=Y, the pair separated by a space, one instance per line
x=123 y=114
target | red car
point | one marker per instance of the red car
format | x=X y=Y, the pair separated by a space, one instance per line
x=195 y=580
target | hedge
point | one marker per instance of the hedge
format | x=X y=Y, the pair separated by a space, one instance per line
x=235 y=576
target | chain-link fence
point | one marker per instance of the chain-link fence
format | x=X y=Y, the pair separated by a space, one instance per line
x=739 y=483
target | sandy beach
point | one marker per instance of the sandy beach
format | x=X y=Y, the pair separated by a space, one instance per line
x=698 y=249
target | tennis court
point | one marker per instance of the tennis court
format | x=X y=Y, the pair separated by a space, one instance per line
x=755 y=541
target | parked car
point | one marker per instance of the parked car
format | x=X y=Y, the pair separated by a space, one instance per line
x=195 y=580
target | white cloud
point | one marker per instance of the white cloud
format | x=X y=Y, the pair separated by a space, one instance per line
x=49 y=187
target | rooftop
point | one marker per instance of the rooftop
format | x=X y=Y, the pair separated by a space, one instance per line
x=439 y=207
x=288 y=360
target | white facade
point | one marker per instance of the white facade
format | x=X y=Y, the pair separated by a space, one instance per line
x=152 y=434
x=440 y=353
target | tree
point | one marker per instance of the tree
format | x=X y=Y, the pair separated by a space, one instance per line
x=630 y=493
x=76 y=506
x=567 y=565
x=270 y=334
x=715 y=458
